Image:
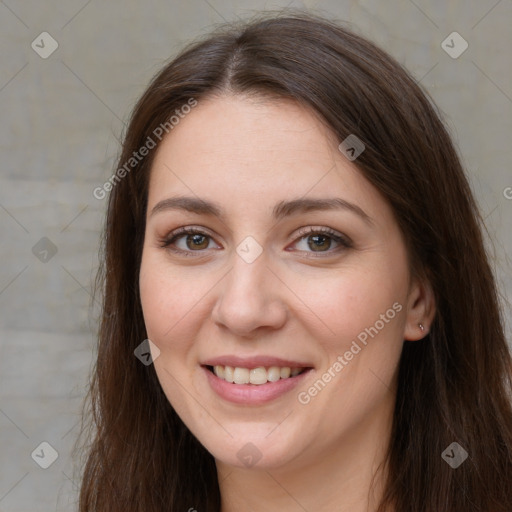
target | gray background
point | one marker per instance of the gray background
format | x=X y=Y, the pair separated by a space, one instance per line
x=61 y=118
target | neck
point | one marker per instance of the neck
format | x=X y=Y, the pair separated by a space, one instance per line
x=349 y=476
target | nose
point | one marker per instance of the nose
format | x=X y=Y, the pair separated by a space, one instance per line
x=250 y=298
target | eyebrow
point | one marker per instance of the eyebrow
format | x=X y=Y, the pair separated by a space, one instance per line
x=281 y=209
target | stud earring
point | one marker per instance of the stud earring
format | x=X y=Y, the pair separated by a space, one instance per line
x=421 y=327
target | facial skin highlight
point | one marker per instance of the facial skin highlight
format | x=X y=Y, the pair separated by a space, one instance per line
x=305 y=298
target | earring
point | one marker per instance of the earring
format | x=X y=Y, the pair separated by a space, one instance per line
x=421 y=327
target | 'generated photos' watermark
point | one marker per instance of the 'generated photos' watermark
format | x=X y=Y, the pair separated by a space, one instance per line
x=150 y=143
x=342 y=360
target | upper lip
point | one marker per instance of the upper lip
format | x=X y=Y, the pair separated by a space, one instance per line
x=254 y=362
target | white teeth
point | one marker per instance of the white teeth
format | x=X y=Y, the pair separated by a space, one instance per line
x=241 y=376
x=258 y=376
x=273 y=374
x=285 y=372
x=228 y=373
x=219 y=371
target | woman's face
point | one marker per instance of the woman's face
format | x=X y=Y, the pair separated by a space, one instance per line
x=298 y=266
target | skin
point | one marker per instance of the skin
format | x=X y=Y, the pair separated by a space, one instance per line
x=247 y=155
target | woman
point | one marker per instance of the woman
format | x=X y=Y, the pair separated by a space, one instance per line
x=299 y=313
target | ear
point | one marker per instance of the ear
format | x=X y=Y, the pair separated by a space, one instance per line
x=421 y=309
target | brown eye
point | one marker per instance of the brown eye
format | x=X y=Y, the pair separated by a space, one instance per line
x=196 y=241
x=193 y=241
x=320 y=240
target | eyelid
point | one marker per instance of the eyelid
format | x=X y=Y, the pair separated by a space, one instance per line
x=167 y=241
x=323 y=230
x=344 y=241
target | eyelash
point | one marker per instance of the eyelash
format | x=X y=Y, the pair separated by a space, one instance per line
x=345 y=242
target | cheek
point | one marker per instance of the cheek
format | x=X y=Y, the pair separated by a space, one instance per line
x=169 y=299
x=345 y=302
x=361 y=360
x=361 y=319
x=158 y=306
x=168 y=308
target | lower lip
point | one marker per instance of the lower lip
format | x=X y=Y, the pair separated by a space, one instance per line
x=252 y=394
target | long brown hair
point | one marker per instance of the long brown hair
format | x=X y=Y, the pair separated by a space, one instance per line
x=453 y=386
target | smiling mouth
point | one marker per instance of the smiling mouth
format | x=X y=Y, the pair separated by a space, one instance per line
x=257 y=376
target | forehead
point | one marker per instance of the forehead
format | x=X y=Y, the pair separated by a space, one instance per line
x=241 y=127
x=252 y=153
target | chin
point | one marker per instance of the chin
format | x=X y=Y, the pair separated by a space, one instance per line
x=257 y=450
